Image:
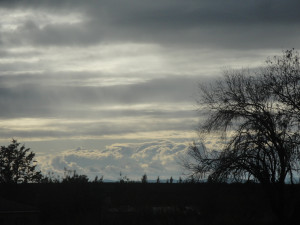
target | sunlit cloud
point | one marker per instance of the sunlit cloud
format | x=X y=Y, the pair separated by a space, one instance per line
x=156 y=158
x=12 y=19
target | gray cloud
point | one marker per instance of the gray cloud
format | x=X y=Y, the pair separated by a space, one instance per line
x=41 y=99
x=189 y=12
x=234 y=24
x=87 y=111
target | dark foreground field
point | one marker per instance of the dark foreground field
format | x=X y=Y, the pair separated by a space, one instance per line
x=136 y=203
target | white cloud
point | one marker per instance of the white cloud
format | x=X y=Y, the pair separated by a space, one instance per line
x=12 y=19
x=156 y=158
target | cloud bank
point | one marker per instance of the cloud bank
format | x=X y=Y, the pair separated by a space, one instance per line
x=156 y=158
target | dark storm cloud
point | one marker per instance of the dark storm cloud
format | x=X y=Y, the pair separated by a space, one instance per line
x=233 y=23
x=175 y=12
x=190 y=14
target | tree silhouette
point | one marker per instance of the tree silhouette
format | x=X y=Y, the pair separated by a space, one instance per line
x=283 y=76
x=180 y=180
x=17 y=164
x=144 y=179
x=123 y=179
x=256 y=115
x=71 y=176
x=98 y=180
x=158 y=180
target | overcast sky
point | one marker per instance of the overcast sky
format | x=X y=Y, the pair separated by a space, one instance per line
x=110 y=86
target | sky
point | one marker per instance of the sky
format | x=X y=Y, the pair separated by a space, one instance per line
x=104 y=87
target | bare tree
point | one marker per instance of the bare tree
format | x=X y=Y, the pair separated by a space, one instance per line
x=283 y=77
x=256 y=114
x=17 y=164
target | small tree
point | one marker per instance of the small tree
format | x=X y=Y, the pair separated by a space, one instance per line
x=180 y=180
x=50 y=178
x=123 y=179
x=158 y=180
x=98 y=180
x=71 y=176
x=17 y=164
x=144 y=179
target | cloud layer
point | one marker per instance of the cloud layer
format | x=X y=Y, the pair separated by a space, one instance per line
x=255 y=24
